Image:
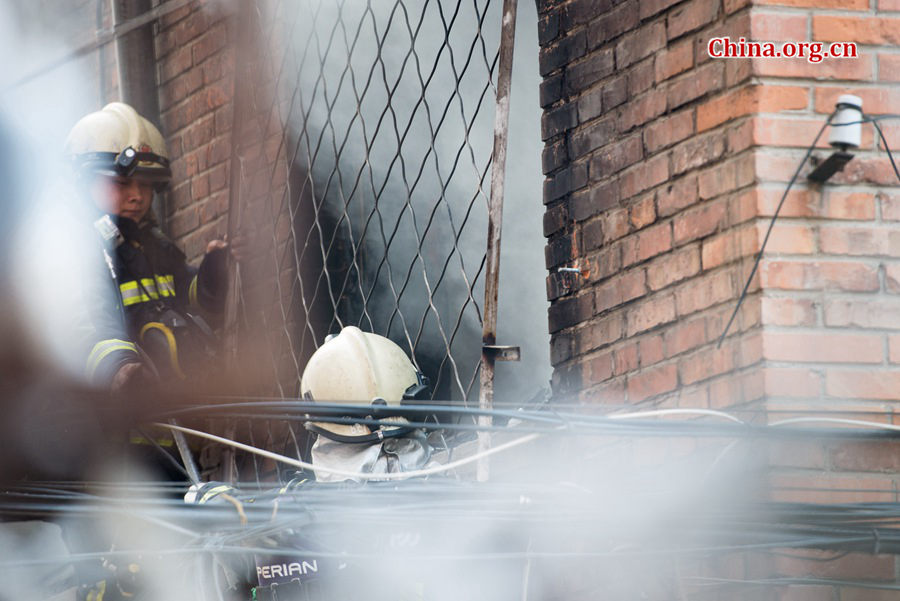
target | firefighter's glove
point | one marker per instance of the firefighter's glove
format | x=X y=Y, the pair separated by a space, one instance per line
x=131 y=377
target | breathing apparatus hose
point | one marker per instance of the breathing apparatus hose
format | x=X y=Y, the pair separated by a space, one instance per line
x=377 y=436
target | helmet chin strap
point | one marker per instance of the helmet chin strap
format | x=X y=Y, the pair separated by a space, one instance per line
x=419 y=391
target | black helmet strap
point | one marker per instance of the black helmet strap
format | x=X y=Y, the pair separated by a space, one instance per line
x=124 y=163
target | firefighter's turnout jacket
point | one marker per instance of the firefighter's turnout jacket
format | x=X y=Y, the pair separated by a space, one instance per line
x=157 y=302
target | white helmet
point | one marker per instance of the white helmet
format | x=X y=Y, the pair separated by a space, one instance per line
x=117 y=141
x=356 y=367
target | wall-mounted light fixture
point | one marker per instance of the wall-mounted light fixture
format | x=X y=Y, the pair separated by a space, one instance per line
x=846 y=131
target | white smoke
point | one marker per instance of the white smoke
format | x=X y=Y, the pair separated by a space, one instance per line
x=390 y=103
x=49 y=262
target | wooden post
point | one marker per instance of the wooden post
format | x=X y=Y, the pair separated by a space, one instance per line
x=495 y=219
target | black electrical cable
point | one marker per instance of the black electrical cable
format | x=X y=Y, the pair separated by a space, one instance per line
x=765 y=241
x=266 y=408
x=788 y=525
x=558 y=424
x=887 y=147
x=376 y=436
x=866 y=119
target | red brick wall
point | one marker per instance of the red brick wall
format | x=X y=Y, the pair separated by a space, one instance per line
x=196 y=48
x=646 y=190
x=663 y=168
x=831 y=306
x=195 y=68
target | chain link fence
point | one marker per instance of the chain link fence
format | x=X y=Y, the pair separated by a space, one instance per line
x=363 y=164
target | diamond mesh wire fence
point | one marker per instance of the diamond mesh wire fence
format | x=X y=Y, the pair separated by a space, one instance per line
x=362 y=167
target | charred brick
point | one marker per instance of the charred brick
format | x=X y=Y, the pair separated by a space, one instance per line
x=586 y=73
x=548 y=28
x=569 y=379
x=613 y=24
x=615 y=92
x=561 y=284
x=551 y=90
x=568 y=312
x=572 y=178
x=546 y=6
x=558 y=120
x=592 y=235
x=640 y=44
x=562 y=52
x=559 y=250
x=560 y=348
x=593 y=201
x=557 y=186
x=554 y=156
x=579 y=12
x=555 y=218
x=590 y=106
x=585 y=141
x=615 y=157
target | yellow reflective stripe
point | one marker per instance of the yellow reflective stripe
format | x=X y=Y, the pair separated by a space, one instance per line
x=165 y=284
x=133 y=293
x=149 y=285
x=163 y=442
x=130 y=293
x=104 y=348
x=170 y=339
x=192 y=292
x=97 y=593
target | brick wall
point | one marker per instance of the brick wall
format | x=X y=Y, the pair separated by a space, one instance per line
x=195 y=68
x=647 y=192
x=663 y=168
x=196 y=50
x=830 y=305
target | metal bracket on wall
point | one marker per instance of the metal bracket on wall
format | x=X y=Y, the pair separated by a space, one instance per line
x=498 y=352
x=830 y=166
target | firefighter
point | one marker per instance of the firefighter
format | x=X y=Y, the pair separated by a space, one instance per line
x=362 y=369
x=153 y=317
x=150 y=318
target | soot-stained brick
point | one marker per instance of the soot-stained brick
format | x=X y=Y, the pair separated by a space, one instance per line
x=551 y=90
x=558 y=120
x=567 y=312
x=562 y=52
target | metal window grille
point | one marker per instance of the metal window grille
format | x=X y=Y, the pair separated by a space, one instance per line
x=364 y=135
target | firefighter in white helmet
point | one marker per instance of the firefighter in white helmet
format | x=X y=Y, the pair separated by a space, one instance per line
x=360 y=369
x=120 y=159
